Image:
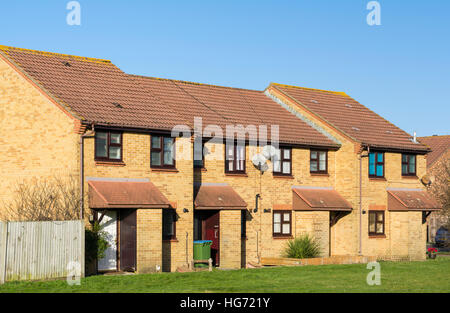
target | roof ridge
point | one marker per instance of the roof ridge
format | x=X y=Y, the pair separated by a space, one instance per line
x=194 y=83
x=312 y=89
x=434 y=136
x=80 y=58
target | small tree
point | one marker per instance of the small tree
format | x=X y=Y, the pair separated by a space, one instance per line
x=441 y=188
x=50 y=199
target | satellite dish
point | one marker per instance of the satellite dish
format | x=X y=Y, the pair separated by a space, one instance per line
x=269 y=152
x=260 y=162
x=427 y=180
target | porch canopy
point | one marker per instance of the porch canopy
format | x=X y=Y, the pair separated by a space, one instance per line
x=218 y=197
x=318 y=199
x=411 y=200
x=125 y=195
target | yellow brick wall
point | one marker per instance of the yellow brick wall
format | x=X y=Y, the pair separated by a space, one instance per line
x=176 y=186
x=345 y=233
x=273 y=190
x=149 y=253
x=37 y=138
x=230 y=239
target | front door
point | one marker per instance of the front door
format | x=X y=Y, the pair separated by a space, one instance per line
x=108 y=225
x=128 y=240
x=211 y=231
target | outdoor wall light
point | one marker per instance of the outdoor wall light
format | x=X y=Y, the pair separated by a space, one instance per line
x=267 y=210
x=185 y=210
x=91 y=219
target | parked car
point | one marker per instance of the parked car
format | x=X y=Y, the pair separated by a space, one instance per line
x=442 y=236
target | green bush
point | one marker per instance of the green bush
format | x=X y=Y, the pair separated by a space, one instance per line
x=303 y=247
x=96 y=243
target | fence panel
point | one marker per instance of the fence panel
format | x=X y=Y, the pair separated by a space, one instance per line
x=3 y=232
x=43 y=250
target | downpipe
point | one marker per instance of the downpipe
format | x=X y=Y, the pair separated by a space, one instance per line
x=361 y=156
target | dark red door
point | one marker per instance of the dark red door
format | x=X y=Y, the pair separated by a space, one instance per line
x=212 y=232
x=128 y=240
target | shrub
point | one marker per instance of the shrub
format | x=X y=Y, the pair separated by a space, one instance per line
x=96 y=243
x=303 y=247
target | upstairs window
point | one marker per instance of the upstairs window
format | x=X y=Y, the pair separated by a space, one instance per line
x=108 y=146
x=318 y=162
x=282 y=163
x=199 y=158
x=376 y=164
x=408 y=164
x=169 y=224
x=376 y=223
x=162 y=152
x=235 y=158
x=282 y=223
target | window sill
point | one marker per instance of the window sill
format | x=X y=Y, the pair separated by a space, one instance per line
x=236 y=174
x=409 y=177
x=283 y=176
x=377 y=179
x=109 y=163
x=165 y=170
x=377 y=236
x=170 y=240
x=282 y=237
x=320 y=174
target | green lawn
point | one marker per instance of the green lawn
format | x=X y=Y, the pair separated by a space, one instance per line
x=429 y=276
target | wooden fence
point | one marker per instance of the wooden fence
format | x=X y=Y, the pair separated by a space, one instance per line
x=41 y=250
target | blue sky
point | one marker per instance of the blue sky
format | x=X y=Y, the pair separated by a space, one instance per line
x=400 y=69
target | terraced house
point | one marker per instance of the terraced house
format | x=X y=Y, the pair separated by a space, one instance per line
x=163 y=163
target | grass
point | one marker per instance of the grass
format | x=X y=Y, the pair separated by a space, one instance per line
x=428 y=276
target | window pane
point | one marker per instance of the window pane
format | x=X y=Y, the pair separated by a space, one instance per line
x=372 y=217
x=412 y=164
x=114 y=153
x=277 y=218
x=313 y=167
x=101 y=145
x=371 y=227
x=404 y=158
x=313 y=154
x=322 y=156
x=379 y=157
x=277 y=228
x=286 y=167
x=156 y=142
x=379 y=217
x=230 y=152
x=287 y=154
x=156 y=159
x=322 y=165
x=380 y=229
x=115 y=138
x=277 y=166
x=230 y=166
x=404 y=169
x=372 y=164
x=286 y=229
x=379 y=170
x=240 y=165
x=168 y=151
x=240 y=152
x=286 y=217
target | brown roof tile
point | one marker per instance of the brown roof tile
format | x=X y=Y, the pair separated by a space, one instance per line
x=352 y=118
x=224 y=106
x=310 y=199
x=411 y=200
x=110 y=195
x=439 y=145
x=218 y=197
x=98 y=92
